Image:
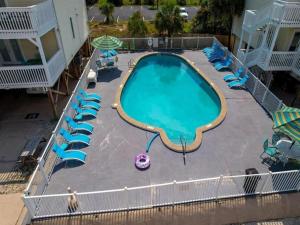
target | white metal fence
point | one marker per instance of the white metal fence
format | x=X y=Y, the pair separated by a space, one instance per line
x=41 y=205
x=163 y=194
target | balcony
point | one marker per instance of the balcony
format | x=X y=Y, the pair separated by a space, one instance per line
x=28 y=76
x=285 y=14
x=26 y=22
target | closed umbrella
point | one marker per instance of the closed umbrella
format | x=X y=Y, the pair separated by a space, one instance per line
x=107 y=43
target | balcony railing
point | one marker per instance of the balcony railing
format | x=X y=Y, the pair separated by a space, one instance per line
x=24 y=22
x=28 y=76
x=286 y=14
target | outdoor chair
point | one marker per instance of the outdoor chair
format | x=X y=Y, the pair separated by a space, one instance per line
x=235 y=76
x=74 y=138
x=79 y=126
x=238 y=83
x=69 y=154
x=89 y=96
x=88 y=104
x=80 y=113
x=271 y=152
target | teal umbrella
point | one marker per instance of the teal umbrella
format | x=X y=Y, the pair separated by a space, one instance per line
x=107 y=43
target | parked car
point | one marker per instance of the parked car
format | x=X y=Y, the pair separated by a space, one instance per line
x=183 y=13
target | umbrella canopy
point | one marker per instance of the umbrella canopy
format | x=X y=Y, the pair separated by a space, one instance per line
x=287 y=121
x=107 y=43
x=108 y=53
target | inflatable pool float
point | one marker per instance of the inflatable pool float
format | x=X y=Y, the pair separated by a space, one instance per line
x=142 y=161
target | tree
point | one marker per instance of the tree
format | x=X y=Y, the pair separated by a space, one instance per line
x=216 y=16
x=136 y=25
x=107 y=9
x=168 y=20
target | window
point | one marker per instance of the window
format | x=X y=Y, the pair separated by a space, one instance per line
x=72 y=27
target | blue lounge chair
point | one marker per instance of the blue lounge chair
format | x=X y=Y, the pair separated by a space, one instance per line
x=74 y=138
x=216 y=57
x=88 y=104
x=238 y=83
x=225 y=64
x=235 y=76
x=212 y=48
x=89 y=96
x=69 y=154
x=80 y=113
x=82 y=126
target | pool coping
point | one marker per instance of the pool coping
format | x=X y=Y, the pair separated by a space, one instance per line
x=199 y=131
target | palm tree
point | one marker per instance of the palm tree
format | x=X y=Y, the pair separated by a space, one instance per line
x=168 y=20
x=136 y=25
x=107 y=9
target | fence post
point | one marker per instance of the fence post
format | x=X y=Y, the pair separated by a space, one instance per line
x=127 y=197
x=218 y=187
x=264 y=182
x=28 y=205
x=41 y=169
x=173 y=192
x=181 y=42
x=279 y=105
x=77 y=201
x=198 y=39
x=264 y=96
x=255 y=86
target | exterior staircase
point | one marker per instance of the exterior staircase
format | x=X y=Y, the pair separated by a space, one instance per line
x=262 y=28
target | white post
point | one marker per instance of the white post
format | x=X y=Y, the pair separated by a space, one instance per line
x=264 y=182
x=279 y=105
x=298 y=186
x=43 y=57
x=126 y=198
x=198 y=39
x=28 y=205
x=41 y=169
x=218 y=187
x=77 y=201
x=241 y=39
x=174 y=184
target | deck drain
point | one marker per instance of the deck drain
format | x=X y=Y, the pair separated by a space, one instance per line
x=31 y=116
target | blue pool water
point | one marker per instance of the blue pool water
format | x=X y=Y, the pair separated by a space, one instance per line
x=165 y=91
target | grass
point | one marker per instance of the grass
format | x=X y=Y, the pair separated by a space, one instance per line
x=120 y=29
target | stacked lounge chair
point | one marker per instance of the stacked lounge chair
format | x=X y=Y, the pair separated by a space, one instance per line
x=239 y=82
x=223 y=64
x=88 y=104
x=235 y=76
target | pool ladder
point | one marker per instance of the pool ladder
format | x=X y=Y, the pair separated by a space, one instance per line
x=131 y=63
x=183 y=144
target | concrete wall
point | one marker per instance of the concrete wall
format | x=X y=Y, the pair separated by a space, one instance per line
x=74 y=10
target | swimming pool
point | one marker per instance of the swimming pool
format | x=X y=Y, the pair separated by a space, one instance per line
x=164 y=93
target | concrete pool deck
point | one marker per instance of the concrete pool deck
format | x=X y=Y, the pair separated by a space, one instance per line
x=228 y=149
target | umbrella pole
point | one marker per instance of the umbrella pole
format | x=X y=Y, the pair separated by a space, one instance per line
x=292 y=144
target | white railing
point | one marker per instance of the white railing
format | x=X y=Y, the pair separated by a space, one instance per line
x=175 y=192
x=285 y=13
x=22 y=22
x=28 y=76
x=282 y=61
x=22 y=77
x=172 y=193
x=56 y=66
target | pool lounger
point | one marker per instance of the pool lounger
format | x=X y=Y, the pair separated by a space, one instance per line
x=74 y=138
x=238 y=83
x=89 y=96
x=79 y=126
x=88 y=104
x=80 y=113
x=235 y=76
x=69 y=154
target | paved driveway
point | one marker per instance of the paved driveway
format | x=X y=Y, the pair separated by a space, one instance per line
x=124 y=12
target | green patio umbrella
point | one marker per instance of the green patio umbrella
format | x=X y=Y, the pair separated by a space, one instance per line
x=107 y=43
x=287 y=121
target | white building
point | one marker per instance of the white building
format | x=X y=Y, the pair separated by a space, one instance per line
x=267 y=37
x=38 y=40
